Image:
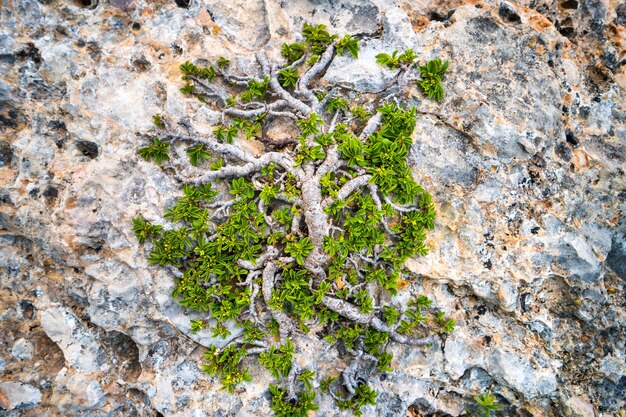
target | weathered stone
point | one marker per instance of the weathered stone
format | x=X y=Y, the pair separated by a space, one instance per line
x=78 y=343
x=22 y=349
x=524 y=158
x=15 y=395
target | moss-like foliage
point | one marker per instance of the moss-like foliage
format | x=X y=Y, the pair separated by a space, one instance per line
x=309 y=238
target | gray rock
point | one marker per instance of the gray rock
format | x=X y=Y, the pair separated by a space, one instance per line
x=16 y=395
x=22 y=349
x=363 y=74
x=79 y=344
x=578 y=258
x=524 y=158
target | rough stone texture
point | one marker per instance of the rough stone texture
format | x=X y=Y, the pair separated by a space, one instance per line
x=525 y=159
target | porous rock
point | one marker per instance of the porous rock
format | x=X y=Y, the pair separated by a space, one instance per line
x=524 y=158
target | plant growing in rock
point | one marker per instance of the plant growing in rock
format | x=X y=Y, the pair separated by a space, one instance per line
x=485 y=405
x=432 y=75
x=308 y=238
x=393 y=61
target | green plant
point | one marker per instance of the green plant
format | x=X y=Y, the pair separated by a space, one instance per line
x=334 y=104
x=197 y=325
x=300 y=249
x=223 y=62
x=318 y=38
x=157 y=151
x=224 y=363
x=288 y=77
x=157 y=119
x=293 y=52
x=363 y=395
x=256 y=89
x=278 y=359
x=197 y=154
x=432 y=74
x=486 y=404
x=360 y=112
x=284 y=406
x=305 y=236
x=393 y=61
x=143 y=229
x=350 y=44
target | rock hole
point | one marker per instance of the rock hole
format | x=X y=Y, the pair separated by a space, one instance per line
x=27 y=309
x=436 y=16
x=569 y=4
x=177 y=49
x=136 y=26
x=525 y=302
x=51 y=193
x=49 y=353
x=566 y=27
x=87 y=148
x=87 y=4
x=421 y=407
x=140 y=63
x=6 y=154
x=508 y=13
x=125 y=351
x=570 y=138
x=31 y=52
x=182 y=3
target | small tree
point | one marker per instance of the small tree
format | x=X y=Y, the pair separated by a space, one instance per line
x=309 y=235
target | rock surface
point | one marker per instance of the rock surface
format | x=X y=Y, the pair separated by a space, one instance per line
x=525 y=158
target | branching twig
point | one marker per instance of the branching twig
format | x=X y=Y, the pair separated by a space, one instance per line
x=284 y=324
x=348 y=188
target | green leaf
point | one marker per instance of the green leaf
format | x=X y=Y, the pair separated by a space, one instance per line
x=349 y=43
x=300 y=249
x=288 y=77
x=157 y=151
x=218 y=164
x=157 y=119
x=256 y=89
x=226 y=133
x=292 y=52
x=197 y=325
x=360 y=112
x=432 y=74
x=223 y=62
x=389 y=61
x=269 y=191
x=197 y=154
x=188 y=89
x=241 y=187
x=486 y=404
x=336 y=103
x=306 y=376
x=143 y=229
x=310 y=125
x=317 y=37
x=224 y=363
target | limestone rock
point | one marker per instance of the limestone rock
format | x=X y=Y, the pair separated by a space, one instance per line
x=15 y=395
x=524 y=158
